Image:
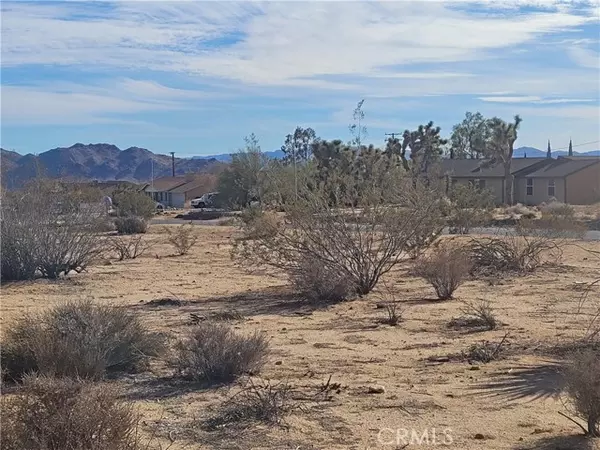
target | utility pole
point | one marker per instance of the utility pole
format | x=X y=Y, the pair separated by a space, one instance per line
x=173 y=163
x=393 y=135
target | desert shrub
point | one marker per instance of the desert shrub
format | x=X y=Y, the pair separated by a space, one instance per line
x=257 y=224
x=182 y=238
x=520 y=210
x=48 y=231
x=445 y=269
x=557 y=210
x=65 y=414
x=131 y=225
x=321 y=283
x=523 y=250
x=214 y=353
x=256 y=402
x=77 y=339
x=362 y=241
x=130 y=202
x=393 y=314
x=582 y=383
x=482 y=312
x=485 y=351
x=469 y=207
x=129 y=247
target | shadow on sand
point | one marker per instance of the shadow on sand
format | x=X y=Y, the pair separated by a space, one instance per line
x=523 y=383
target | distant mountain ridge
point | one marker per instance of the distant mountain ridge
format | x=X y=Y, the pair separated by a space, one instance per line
x=226 y=157
x=532 y=152
x=101 y=162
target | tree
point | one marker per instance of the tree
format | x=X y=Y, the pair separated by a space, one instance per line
x=242 y=183
x=361 y=243
x=298 y=146
x=469 y=137
x=500 y=148
x=425 y=145
x=357 y=129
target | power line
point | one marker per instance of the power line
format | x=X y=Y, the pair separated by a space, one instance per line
x=578 y=145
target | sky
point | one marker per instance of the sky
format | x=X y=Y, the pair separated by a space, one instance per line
x=196 y=77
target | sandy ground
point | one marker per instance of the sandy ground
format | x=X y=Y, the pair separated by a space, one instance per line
x=506 y=404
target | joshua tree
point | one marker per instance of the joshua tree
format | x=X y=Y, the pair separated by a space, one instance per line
x=500 y=150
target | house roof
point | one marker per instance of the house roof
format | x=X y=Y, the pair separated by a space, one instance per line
x=164 y=184
x=476 y=168
x=193 y=184
x=563 y=167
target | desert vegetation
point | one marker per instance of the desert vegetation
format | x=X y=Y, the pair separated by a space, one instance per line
x=310 y=319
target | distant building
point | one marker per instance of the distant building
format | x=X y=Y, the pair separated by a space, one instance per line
x=178 y=191
x=574 y=180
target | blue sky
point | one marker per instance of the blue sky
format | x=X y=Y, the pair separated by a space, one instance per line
x=196 y=77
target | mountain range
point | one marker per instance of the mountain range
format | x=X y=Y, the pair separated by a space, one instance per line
x=96 y=162
x=105 y=162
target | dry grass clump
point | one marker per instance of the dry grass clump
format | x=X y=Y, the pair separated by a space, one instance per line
x=182 y=238
x=485 y=351
x=131 y=225
x=521 y=211
x=129 y=247
x=65 y=414
x=582 y=385
x=445 y=269
x=558 y=210
x=214 y=353
x=78 y=339
x=482 y=313
x=522 y=251
x=262 y=401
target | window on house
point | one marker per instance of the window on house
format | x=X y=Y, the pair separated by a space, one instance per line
x=529 y=186
x=551 y=188
x=482 y=184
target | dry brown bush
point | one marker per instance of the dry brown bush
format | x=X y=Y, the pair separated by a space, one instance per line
x=48 y=230
x=482 y=312
x=485 y=351
x=129 y=247
x=321 y=284
x=131 y=225
x=557 y=210
x=77 y=339
x=182 y=238
x=445 y=268
x=582 y=383
x=64 y=414
x=262 y=401
x=524 y=250
x=215 y=353
x=361 y=242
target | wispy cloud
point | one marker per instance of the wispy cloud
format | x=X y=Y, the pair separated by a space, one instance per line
x=267 y=65
x=534 y=100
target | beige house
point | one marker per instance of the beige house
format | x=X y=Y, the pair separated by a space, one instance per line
x=574 y=180
x=177 y=192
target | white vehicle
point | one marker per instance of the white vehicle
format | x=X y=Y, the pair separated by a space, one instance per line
x=206 y=201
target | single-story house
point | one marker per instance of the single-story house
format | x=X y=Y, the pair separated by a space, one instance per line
x=178 y=191
x=574 y=180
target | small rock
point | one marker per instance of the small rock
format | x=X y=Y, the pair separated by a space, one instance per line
x=375 y=390
x=278 y=363
x=479 y=436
